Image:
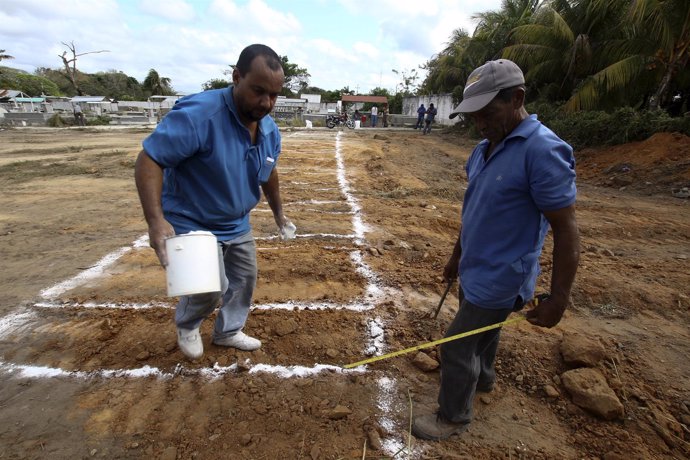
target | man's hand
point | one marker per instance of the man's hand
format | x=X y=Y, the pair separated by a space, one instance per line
x=547 y=312
x=287 y=229
x=158 y=232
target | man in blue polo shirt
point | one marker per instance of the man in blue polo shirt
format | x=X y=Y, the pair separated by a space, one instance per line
x=521 y=181
x=203 y=169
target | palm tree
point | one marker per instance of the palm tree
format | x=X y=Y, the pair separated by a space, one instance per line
x=607 y=53
x=155 y=84
x=666 y=23
x=558 y=48
x=449 y=70
x=494 y=28
x=4 y=56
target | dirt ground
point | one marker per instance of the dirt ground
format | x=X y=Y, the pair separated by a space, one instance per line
x=89 y=367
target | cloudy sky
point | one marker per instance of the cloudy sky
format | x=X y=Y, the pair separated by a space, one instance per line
x=355 y=43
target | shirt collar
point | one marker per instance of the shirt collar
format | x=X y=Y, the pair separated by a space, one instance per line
x=524 y=129
x=266 y=125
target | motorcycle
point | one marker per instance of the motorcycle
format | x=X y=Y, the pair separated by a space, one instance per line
x=338 y=120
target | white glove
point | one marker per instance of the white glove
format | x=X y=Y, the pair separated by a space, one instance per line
x=287 y=231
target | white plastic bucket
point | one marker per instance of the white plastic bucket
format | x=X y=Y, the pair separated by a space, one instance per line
x=192 y=264
x=358 y=124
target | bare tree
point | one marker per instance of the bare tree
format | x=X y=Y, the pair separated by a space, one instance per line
x=71 y=64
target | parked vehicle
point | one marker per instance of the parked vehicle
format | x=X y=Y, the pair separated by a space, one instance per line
x=338 y=120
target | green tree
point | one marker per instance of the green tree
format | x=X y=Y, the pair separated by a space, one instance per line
x=494 y=28
x=449 y=68
x=154 y=84
x=33 y=85
x=296 y=77
x=408 y=85
x=650 y=58
x=562 y=46
x=215 y=83
x=666 y=23
x=59 y=78
x=113 y=84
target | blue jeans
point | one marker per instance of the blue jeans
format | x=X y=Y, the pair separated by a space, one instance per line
x=420 y=122
x=237 y=261
x=469 y=361
x=373 y=120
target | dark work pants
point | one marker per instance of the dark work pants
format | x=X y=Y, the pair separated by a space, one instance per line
x=468 y=361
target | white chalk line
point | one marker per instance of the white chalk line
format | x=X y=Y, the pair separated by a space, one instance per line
x=375 y=345
x=211 y=373
x=372 y=292
x=387 y=387
x=363 y=305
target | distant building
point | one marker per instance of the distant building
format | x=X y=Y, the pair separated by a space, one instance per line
x=98 y=105
x=313 y=102
x=10 y=95
x=288 y=108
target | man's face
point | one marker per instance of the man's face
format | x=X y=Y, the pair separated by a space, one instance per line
x=256 y=92
x=497 y=119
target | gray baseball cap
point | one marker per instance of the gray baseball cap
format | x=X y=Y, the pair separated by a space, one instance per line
x=485 y=82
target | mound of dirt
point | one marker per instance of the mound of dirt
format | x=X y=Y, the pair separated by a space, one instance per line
x=658 y=165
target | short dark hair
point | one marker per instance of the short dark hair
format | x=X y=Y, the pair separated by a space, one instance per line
x=248 y=55
x=506 y=94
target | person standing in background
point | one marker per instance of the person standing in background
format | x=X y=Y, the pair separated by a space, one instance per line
x=79 y=118
x=430 y=115
x=421 y=111
x=374 y=116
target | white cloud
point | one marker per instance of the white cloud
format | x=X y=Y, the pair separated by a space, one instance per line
x=193 y=42
x=367 y=49
x=255 y=17
x=174 y=10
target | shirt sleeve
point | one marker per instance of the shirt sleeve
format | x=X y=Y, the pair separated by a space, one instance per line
x=174 y=140
x=552 y=175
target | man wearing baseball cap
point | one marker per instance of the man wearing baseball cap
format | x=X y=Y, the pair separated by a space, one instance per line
x=521 y=181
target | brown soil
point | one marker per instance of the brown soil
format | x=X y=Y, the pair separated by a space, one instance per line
x=90 y=368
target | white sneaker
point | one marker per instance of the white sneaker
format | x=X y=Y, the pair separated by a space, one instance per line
x=240 y=341
x=189 y=341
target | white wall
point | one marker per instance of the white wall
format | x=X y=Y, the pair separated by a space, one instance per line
x=442 y=102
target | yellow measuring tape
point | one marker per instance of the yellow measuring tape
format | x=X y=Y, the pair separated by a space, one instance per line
x=436 y=342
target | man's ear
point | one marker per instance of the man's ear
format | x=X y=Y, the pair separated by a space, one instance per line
x=235 y=76
x=518 y=98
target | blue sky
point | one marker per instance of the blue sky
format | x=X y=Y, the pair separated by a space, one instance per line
x=341 y=43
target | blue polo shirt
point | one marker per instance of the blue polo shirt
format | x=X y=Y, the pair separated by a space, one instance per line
x=503 y=227
x=212 y=172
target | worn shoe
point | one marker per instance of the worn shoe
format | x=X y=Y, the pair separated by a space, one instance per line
x=240 y=341
x=434 y=428
x=189 y=341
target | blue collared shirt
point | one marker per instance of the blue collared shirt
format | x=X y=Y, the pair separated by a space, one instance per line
x=503 y=226
x=212 y=171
